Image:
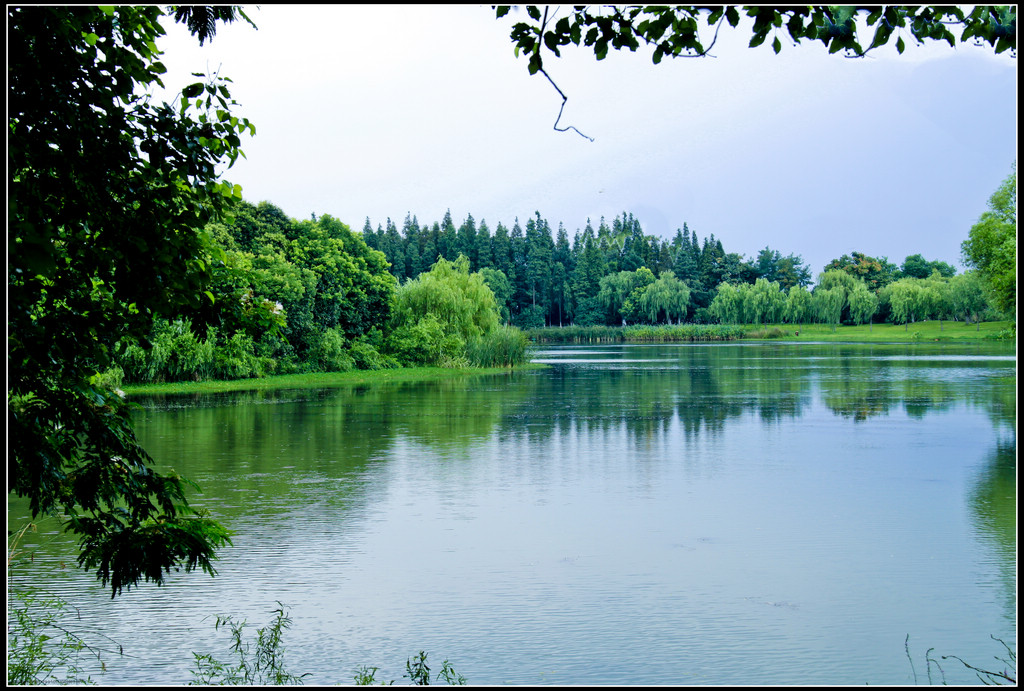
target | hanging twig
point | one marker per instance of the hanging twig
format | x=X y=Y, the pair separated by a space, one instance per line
x=540 y=35
x=561 y=108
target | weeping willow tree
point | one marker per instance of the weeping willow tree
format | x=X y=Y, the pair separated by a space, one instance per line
x=727 y=306
x=798 y=305
x=827 y=304
x=863 y=305
x=620 y=292
x=449 y=317
x=667 y=298
x=765 y=303
x=911 y=300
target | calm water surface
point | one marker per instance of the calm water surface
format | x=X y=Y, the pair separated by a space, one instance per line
x=723 y=514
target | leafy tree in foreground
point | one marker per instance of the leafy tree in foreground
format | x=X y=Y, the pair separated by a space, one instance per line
x=991 y=246
x=107 y=193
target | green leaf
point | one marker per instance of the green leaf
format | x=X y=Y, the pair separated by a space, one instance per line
x=535 y=63
x=192 y=90
x=882 y=34
x=90 y=38
x=843 y=13
x=900 y=45
x=551 y=41
x=776 y=45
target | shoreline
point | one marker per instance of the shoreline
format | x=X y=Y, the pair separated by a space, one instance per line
x=921 y=332
x=320 y=380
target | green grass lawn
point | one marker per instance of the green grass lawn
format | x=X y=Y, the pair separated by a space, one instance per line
x=888 y=333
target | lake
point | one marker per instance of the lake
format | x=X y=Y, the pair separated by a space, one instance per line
x=748 y=513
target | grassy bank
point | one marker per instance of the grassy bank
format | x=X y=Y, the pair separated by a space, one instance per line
x=876 y=333
x=886 y=333
x=318 y=380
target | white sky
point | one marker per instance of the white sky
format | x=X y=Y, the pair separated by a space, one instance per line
x=379 y=111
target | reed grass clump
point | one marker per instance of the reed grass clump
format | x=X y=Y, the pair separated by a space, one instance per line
x=503 y=346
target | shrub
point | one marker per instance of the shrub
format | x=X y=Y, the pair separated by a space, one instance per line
x=39 y=649
x=330 y=353
x=262 y=666
x=236 y=359
x=366 y=356
x=416 y=670
x=418 y=343
x=774 y=332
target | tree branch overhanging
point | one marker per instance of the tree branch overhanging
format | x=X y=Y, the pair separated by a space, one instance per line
x=675 y=30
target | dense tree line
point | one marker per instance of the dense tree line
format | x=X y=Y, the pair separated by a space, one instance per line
x=617 y=275
x=546 y=279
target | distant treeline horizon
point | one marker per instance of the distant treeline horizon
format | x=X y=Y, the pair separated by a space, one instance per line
x=555 y=279
x=378 y=231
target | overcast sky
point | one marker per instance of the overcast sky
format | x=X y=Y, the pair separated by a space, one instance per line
x=379 y=111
